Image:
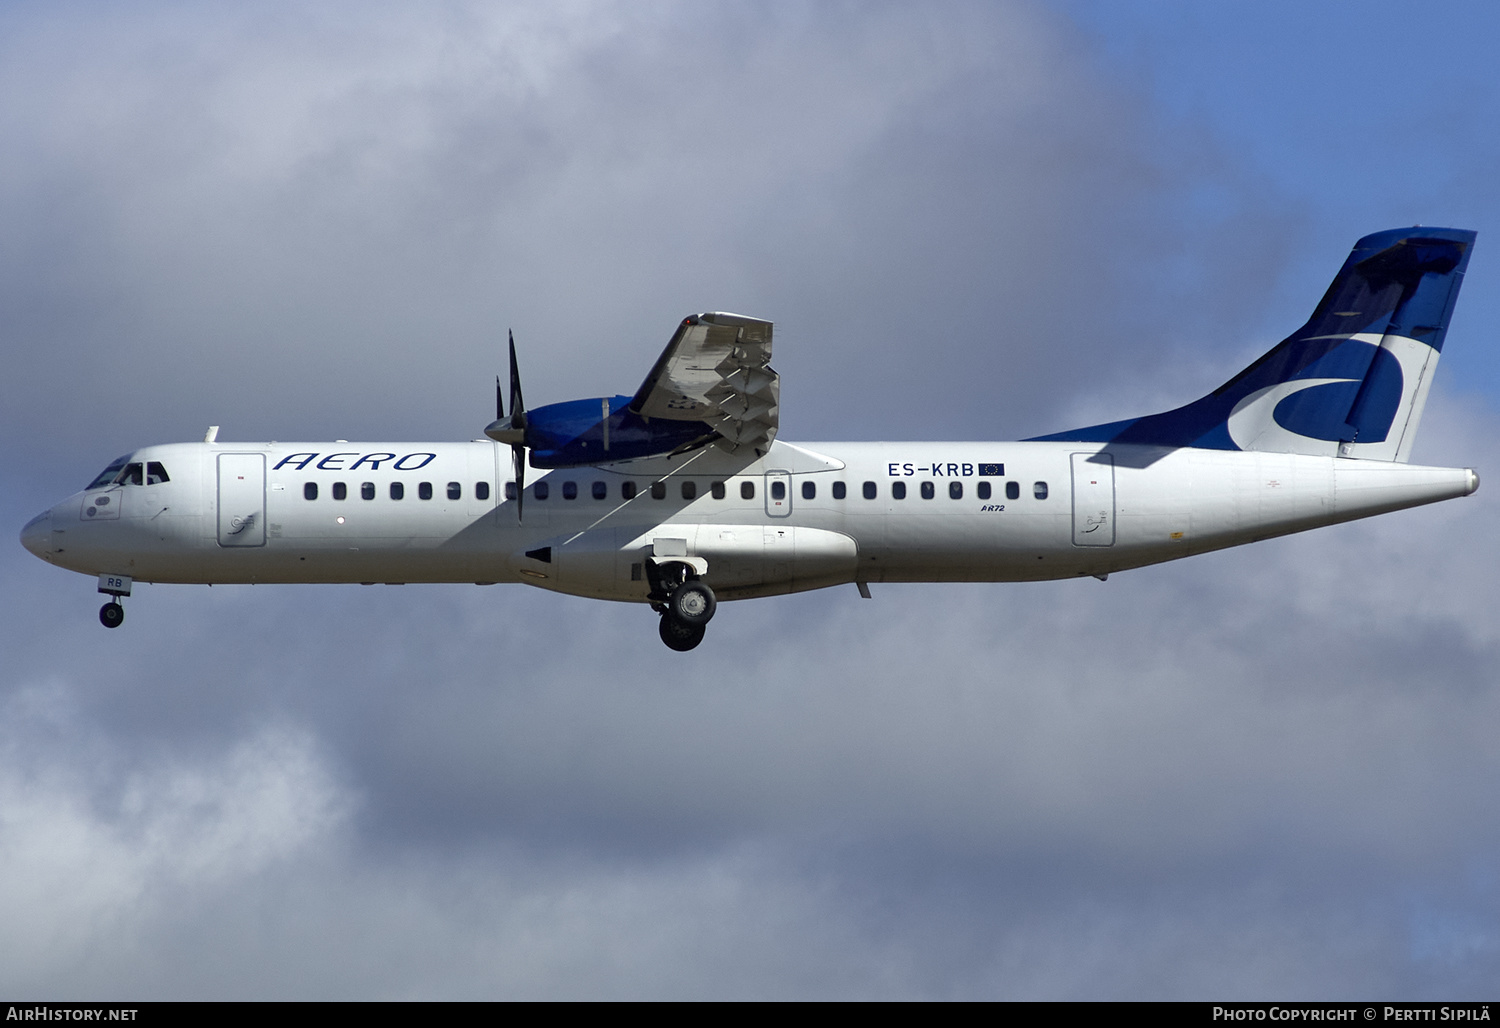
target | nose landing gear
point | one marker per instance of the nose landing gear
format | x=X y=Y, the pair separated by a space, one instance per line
x=112 y=615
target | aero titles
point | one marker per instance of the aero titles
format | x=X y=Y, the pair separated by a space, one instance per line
x=335 y=461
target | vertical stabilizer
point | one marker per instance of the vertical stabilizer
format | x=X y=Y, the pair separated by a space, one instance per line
x=1351 y=382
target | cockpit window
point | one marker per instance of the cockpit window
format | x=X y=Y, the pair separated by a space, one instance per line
x=132 y=475
x=155 y=473
x=108 y=475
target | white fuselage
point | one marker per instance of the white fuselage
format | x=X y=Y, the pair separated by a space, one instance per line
x=797 y=518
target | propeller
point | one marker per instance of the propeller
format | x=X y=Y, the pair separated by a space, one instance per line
x=512 y=430
x=518 y=422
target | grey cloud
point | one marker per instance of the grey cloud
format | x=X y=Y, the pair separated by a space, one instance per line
x=1029 y=774
x=345 y=216
x=1260 y=772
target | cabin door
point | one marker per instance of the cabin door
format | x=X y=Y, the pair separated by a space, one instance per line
x=1093 y=499
x=242 y=499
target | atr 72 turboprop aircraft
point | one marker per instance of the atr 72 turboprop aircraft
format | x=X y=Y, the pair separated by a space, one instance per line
x=681 y=495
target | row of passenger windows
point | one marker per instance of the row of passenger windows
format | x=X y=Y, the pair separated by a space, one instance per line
x=600 y=490
x=340 y=490
x=928 y=490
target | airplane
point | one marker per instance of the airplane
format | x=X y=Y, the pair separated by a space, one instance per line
x=681 y=495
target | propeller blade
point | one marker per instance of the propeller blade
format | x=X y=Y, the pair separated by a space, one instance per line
x=517 y=405
x=512 y=430
x=518 y=460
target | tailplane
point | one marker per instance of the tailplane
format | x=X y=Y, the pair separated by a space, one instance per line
x=1351 y=382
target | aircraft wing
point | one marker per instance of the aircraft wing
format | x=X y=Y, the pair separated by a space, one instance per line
x=717 y=370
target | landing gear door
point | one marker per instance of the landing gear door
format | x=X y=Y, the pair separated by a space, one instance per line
x=242 y=499
x=778 y=493
x=1093 y=499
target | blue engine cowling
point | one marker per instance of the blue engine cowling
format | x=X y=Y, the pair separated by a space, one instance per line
x=576 y=432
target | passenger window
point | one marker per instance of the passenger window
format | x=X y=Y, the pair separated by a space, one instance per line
x=627 y=490
x=398 y=490
x=984 y=490
x=310 y=490
x=1039 y=490
x=601 y=491
x=955 y=490
x=481 y=490
x=455 y=491
x=928 y=491
x=689 y=490
x=340 y=491
x=778 y=490
x=658 y=490
x=718 y=490
x=570 y=490
x=424 y=490
x=898 y=490
x=510 y=490
x=367 y=490
x=869 y=490
x=1012 y=490
x=156 y=474
x=809 y=490
x=840 y=490
x=541 y=490
x=747 y=490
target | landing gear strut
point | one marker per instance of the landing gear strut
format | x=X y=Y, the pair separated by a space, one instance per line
x=684 y=601
x=111 y=615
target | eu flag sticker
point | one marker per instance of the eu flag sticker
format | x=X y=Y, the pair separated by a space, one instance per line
x=992 y=471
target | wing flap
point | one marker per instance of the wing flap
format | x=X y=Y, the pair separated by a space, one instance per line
x=717 y=370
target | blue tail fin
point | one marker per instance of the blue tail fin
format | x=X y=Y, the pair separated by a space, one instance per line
x=1351 y=382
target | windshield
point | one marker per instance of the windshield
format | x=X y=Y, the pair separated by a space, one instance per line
x=107 y=476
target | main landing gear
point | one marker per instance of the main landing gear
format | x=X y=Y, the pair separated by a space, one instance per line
x=686 y=605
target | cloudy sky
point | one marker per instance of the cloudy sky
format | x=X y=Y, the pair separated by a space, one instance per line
x=1268 y=773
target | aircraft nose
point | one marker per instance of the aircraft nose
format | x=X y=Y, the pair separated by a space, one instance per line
x=37 y=534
